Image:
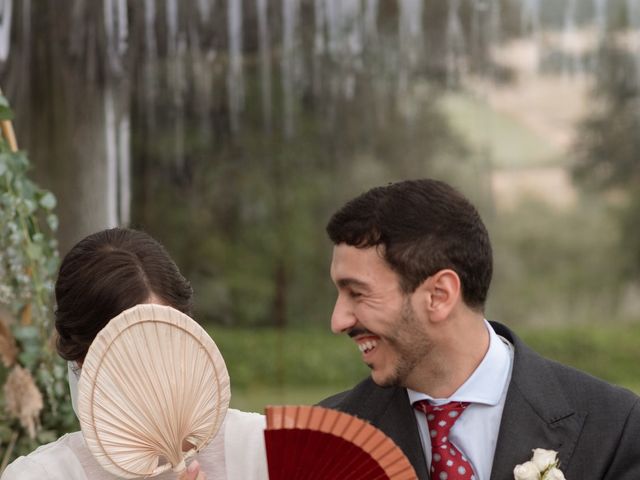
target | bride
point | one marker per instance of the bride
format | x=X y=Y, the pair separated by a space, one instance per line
x=104 y=274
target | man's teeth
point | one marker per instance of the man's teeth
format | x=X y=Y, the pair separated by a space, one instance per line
x=367 y=346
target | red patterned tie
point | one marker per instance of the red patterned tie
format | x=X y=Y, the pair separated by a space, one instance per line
x=447 y=462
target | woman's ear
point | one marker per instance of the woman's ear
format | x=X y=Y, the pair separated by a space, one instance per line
x=441 y=293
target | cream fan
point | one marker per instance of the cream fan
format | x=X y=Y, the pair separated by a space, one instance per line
x=152 y=380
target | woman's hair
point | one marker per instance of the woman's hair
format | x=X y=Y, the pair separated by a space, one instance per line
x=107 y=273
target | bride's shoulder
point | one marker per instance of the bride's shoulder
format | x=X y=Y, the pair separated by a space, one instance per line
x=249 y=418
x=53 y=461
x=244 y=448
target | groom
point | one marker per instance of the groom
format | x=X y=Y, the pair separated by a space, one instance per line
x=463 y=397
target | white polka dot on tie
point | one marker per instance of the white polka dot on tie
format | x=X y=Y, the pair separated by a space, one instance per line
x=443 y=446
x=431 y=416
x=452 y=452
x=453 y=414
x=444 y=439
x=433 y=433
x=443 y=476
x=442 y=423
x=462 y=470
x=436 y=457
x=449 y=463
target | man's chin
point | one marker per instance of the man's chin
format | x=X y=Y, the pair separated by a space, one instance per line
x=384 y=380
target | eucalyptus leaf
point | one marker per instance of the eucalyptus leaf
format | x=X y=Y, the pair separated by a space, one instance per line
x=17 y=161
x=60 y=389
x=29 y=206
x=34 y=250
x=32 y=347
x=29 y=359
x=44 y=376
x=52 y=221
x=48 y=201
x=5 y=110
x=59 y=372
x=52 y=264
x=6 y=114
x=26 y=333
x=22 y=160
x=7 y=159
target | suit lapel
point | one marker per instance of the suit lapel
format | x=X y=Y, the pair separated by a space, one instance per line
x=399 y=421
x=389 y=410
x=536 y=413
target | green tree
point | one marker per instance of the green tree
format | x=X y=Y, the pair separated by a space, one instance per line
x=608 y=146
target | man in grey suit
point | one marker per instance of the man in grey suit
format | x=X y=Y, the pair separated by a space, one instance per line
x=463 y=397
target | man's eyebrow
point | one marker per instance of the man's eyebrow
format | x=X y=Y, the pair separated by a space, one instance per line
x=351 y=282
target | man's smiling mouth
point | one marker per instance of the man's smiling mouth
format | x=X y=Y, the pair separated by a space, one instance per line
x=366 y=341
x=367 y=345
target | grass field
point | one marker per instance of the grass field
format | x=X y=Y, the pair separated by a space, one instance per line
x=303 y=366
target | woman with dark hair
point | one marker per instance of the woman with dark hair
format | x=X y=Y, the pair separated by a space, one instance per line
x=103 y=275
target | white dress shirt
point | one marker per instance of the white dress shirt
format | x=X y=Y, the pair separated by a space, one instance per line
x=475 y=433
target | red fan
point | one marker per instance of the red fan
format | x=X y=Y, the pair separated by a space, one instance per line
x=315 y=443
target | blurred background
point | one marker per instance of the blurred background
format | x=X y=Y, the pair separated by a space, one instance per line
x=231 y=130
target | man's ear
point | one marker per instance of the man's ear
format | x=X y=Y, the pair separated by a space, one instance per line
x=441 y=293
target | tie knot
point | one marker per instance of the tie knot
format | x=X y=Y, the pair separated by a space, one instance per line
x=441 y=418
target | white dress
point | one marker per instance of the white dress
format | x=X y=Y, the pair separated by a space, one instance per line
x=237 y=452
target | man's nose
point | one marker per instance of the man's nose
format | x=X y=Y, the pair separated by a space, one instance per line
x=342 y=318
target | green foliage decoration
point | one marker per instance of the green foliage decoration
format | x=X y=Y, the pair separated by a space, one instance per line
x=28 y=264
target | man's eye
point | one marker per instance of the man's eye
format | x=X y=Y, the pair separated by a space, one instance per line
x=353 y=294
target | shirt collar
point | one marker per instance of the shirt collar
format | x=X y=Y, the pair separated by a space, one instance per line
x=486 y=383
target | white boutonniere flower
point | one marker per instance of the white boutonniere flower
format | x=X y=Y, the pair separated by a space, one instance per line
x=542 y=466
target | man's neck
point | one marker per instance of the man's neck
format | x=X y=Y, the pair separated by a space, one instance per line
x=454 y=360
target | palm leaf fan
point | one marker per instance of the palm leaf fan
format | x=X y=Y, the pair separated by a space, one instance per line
x=316 y=443
x=152 y=380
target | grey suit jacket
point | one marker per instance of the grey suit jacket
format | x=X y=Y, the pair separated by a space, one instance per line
x=594 y=426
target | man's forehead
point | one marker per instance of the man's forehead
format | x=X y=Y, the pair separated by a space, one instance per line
x=342 y=251
x=350 y=257
x=355 y=265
